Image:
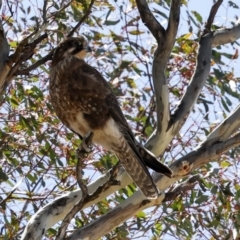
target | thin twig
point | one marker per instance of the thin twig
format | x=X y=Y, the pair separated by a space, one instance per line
x=182 y=188
x=44 y=15
x=150 y=21
x=82 y=19
x=211 y=17
x=60 y=10
x=83 y=150
x=24 y=52
x=10 y=8
x=16 y=55
x=46 y=58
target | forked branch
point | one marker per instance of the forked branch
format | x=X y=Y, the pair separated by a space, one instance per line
x=165 y=40
x=211 y=16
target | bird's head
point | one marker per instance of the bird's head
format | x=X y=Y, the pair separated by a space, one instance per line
x=72 y=46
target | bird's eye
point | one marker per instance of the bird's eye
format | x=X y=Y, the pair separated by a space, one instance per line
x=77 y=43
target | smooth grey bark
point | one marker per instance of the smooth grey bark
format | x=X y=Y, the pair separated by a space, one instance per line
x=165 y=40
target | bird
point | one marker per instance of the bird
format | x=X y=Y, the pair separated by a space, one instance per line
x=84 y=101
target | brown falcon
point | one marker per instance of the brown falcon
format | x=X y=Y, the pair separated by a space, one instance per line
x=84 y=101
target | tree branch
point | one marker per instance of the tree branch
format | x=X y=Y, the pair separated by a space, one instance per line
x=113 y=218
x=226 y=35
x=23 y=52
x=211 y=17
x=9 y=67
x=83 y=19
x=173 y=23
x=150 y=21
x=226 y=128
x=4 y=53
x=182 y=188
x=137 y=202
x=165 y=40
x=54 y=14
x=44 y=15
x=220 y=37
x=195 y=86
x=112 y=181
x=82 y=152
x=43 y=60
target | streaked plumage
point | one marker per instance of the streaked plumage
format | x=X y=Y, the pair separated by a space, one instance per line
x=84 y=102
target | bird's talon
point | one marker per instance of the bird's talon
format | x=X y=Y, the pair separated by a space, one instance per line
x=86 y=145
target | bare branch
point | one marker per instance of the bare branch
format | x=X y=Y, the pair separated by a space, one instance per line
x=44 y=15
x=160 y=61
x=82 y=19
x=83 y=150
x=226 y=128
x=43 y=60
x=23 y=52
x=211 y=17
x=158 y=144
x=150 y=21
x=10 y=8
x=166 y=40
x=203 y=154
x=60 y=10
x=182 y=188
x=226 y=35
x=116 y=216
x=9 y=195
x=173 y=23
x=196 y=84
x=4 y=53
x=195 y=159
x=199 y=78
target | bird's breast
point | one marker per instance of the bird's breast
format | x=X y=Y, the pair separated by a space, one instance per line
x=109 y=135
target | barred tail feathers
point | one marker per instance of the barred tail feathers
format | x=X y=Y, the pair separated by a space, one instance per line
x=137 y=170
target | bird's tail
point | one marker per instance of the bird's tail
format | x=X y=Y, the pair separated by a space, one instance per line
x=151 y=161
x=137 y=170
x=139 y=174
